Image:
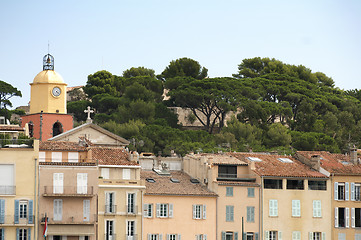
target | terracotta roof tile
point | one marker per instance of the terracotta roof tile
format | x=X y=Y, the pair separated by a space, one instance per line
x=111 y=156
x=271 y=166
x=164 y=186
x=11 y=128
x=334 y=162
x=61 y=146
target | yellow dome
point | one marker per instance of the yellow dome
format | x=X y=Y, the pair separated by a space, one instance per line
x=48 y=76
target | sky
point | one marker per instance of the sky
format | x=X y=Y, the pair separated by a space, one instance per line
x=87 y=36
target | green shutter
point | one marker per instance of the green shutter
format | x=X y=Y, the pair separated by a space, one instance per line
x=2 y=211
x=31 y=212
x=235 y=235
x=223 y=235
x=16 y=214
x=29 y=233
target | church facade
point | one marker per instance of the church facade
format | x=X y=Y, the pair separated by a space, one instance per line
x=48 y=114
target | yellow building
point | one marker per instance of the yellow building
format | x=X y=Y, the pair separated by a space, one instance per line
x=177 y=207
x=294 y=199
x=345 y=174
x=18 y=202
x=235 y=184
x=120 y=194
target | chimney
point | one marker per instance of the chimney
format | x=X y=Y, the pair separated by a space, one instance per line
x=353 y=155
x=315 y=162
x=252 y=165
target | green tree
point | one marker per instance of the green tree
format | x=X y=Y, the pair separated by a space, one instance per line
x=101 y=82
x=7 y=91
x=139 y=71
x=77 y=109
x=277 y=135
x=184 y=67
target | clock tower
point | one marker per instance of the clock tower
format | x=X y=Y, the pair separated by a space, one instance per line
x=48 y=116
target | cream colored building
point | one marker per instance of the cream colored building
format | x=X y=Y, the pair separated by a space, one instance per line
x=345 y=175
x=120 y=194
x=68 y=190
x=177 y=207
x=238 y=191
x=18 y=203
x=294 y=199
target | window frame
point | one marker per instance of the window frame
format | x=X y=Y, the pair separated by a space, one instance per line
x=251 y=192
x=251 y=214
x=273 y=208
x=229 y=191
x=229 y=213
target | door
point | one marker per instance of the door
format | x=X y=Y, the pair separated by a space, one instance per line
x=109 y=230
x=82 y=183
x=58 y=179
x=130 y=230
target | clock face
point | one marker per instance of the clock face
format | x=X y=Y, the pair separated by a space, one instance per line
x=56 y=91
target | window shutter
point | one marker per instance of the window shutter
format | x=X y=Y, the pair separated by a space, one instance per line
x=353 y=217
x=310 y=235
x=3 y=233
x=160 y=236
x=319 y=208
x=179 y=237
x=197 y=237
x=279 y=235
x=223 y=235
x=232 y=213
x=86 y=210
x=158 y=209
x=336 y=217
x=323 y=236
x=352 y=191
x=244 y=236
x=204 y=212
x=17 y=234
x=150 y=213
x=248 y=214
x=204 y=237
x=167 y=236
x=29 y=233
x=335 y=193
x=347 y=191
x=30 y=212
x=170 y=210
x=347 y=217
x=107 y=203
x=275 y=207
x=296 y=208
x=2 y=212
x=266 y=235
x=194 y=211
x=148 y=236
x=145 y=210
x=235 y=235
x=271 y=207
x=16 y=215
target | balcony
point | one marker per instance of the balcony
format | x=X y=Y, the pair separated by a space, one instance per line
x=120 y=182
x=68 y=191
x=9 y=220
x=7 y=190
x=236 y=177
x=16 y=143
x=131 y=209
x=110 y=236
x=70 y=218
x=110 y=209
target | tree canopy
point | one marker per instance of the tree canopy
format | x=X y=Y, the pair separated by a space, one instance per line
x=184 y=67
x=7 y=91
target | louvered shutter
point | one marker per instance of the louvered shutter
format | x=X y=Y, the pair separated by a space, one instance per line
x=256 y=236
x=30 y=213
x=145 y=210
x=194 y=211
x=204 y=212
x=86 y=210
x=179 y=237
x=323 y=236
x=170 y=210
x=335 y=192
x=16 y=214
x=17 y=234
x=279 y=235
x=336 y=217
x=353 y=217
x=223 y=235
x=310 y=235
x=235 y=235
x=2 y=212
x=204 y=236
x=160 y=236
x=29 y=233
x=266 y=235
x=347 y=217
x=271 y=207
x=352 y=191
x=158 y=209
x=347 y=191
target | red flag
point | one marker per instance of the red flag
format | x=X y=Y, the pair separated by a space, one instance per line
x=45 y=233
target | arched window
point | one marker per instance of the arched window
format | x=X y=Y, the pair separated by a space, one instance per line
x=57 y=128
x=31 y=129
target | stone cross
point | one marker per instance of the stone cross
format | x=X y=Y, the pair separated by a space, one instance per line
x=89 y=111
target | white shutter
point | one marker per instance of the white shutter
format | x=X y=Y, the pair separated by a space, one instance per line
x=266 y=235
x=170 y=210
x=86 y=210
x=194 y=211
x=160 y=236
x=148 y=236
x=73 y=156
x=335 y=192
x=58 y=209
x=167 y=236
x=323 y=236
x=352 y=191
x=145 y=210
x=347 y=217
x=82 y=182
x=310 y=235
x=58 y=179
x=41 y=156
x=275 y=207
x=279 y=235
x=126 y=174
x=336 y=217
x=56 y=156
x=104 y=172
x=317 y=211
x=179 y=237
x=158 y=209
x=353 y=217
x=204 y=237
x=347 y=191
x=296 y=208
x=107 y=202
x=319 y=207
x=204 y=212
x=314 y=208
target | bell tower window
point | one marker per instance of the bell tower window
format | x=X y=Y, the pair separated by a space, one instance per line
x=57 y=128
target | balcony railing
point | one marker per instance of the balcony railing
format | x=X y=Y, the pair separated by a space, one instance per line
x=134 y=237
x=110 y=209
x=131 y=209
x=68 y=191
x=110 y=237
x=235 y=177
x=16 y=143
x=10 y=220
x=7 y=190
x=70 y=218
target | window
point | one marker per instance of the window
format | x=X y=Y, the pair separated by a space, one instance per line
x=154 y=236
x=109 y=202
x=2 y=234
x=199 y=211
x=41 y=156
x=130 y=230
x=249 y=236
x=131 y=203
x=201 y=237
x=273 y=208
x=250 y=192
x=317 y=211
x=273 y=235
x=164 y=210
x=82 y=183
x=227 y=171
x=23 y=209
x=58 y=183
x=56 y=156
x=342 y=216
x=250 y=214
x=355 y=191
x=173 y=237
x=229 y=213
x=104 y=173
x=296 y=235
x=272 y=183
x=355 y=217
x=109 y=230
x=73 y=157
x=296 y=208
x=7 y=186
x=22 y=233
x=126 y=174
x=229 y=235
x=148 y=210
x=316 y=236
x=58 y=209
x=229 y=191
x=341 y=236
x=341 y=191
x=317 y=185
x=295 y=184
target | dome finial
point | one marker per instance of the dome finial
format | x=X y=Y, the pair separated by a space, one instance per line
x=48 y=62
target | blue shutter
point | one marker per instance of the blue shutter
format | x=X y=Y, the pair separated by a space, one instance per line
x=256 y=236
x=3 y=233
x=223 y=235
x=235 y=235
x=29 y=233
x=17 y=234
x=16 y=214
x=30 y=211
x=2 y=211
